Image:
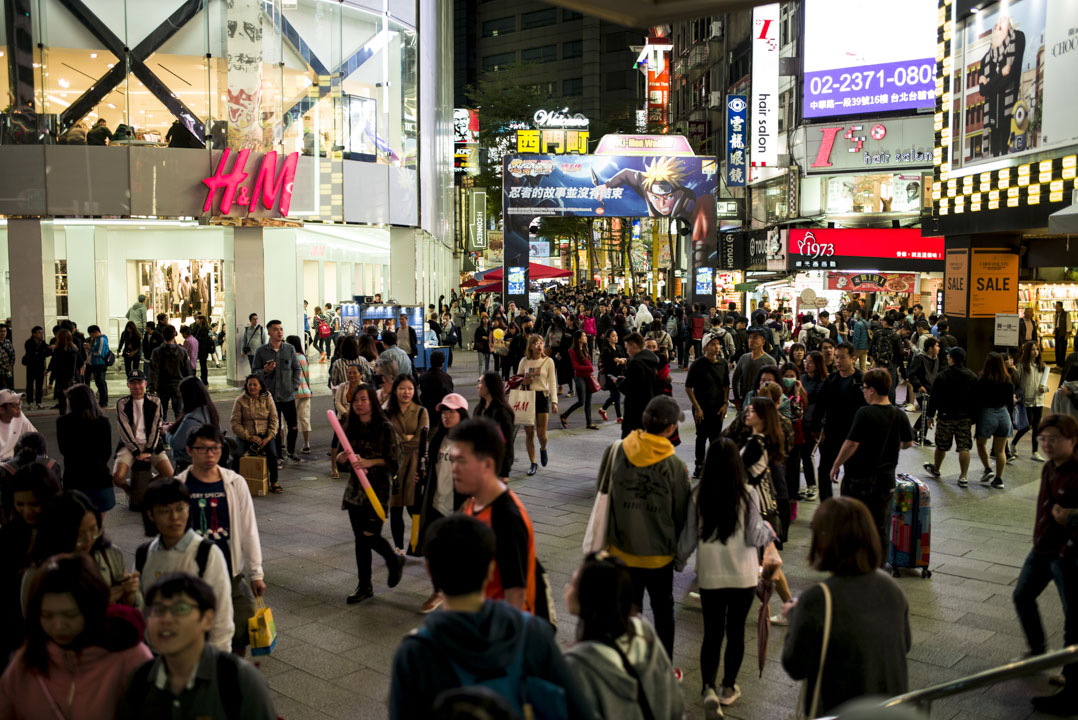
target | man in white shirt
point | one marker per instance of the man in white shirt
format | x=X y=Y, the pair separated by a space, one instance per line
x=139 y=419
x=13 y=424
x=644 y=317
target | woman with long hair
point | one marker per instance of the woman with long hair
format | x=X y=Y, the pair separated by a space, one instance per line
x=732 y=534
x=79 y=655
x=84 y=437
x=65 y=365
x=612 y=360
x=617 y=658
x=812 y=380
x=995 y=394
x=377 y=449
x=411 y=422
x=580 y=357
x=798 y=353
x=303 y=393
x=481 y=343
x=799 y=454
x=440 y=498
x=368 y=348
x=540 y=376
x=342 y=401
x=493 y=404
x=255 y=423
x=130 y=348
x=562 y=361
x=72 y=523
x=349 y=355
x=198 y=409
x=1030 y=385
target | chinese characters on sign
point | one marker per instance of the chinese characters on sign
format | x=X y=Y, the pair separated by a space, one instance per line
x=655 y=55
x=736 y=116
x=903 y=249
x=555 y=141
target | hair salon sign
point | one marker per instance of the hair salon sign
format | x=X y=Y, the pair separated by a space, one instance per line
x=270 y=188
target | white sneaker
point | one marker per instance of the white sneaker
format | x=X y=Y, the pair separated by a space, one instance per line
x=729 y=695
x=1038 y=457
x=712 y=708
x=962 y=482
x=779 y=619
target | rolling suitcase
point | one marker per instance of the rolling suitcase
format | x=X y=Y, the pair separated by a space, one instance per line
x=911 y=526
x=922 y=431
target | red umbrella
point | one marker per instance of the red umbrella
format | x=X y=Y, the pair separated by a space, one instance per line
x=491 y=288
x=535 y=272
x=470 y=282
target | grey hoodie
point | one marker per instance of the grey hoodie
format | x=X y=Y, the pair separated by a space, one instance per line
x=610 y=688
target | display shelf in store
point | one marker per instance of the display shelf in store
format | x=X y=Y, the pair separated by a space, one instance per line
x=1042 y=297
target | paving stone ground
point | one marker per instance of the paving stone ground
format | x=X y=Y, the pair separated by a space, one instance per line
x=333 y=660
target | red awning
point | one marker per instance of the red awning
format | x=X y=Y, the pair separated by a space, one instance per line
x=535 y=272
x=491 y=288
x=469 y=283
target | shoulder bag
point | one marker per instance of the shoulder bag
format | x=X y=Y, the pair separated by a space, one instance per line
x=599 y=521
x=814 y=706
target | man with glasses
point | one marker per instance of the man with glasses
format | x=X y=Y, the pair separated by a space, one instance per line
x=179 y=549
x=222 y=511
x=1054 y=557
x=191 y=678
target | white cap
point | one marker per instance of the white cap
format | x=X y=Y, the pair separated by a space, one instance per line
x=8 y=397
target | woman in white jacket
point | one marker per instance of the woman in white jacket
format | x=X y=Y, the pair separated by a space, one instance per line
x=732 y=534
x=541 y=376
x=1030 y=385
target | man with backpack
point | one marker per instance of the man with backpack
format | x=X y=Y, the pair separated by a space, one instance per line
x=475 y=641
x=887 y=352
x=191 y=678
x=812 y=335
x=725 y=336
x=759 y=324
x=859 y=338
x=254 y=337
x=639 y=384
x=100 y=356
x=170 y=364
x=179 y=549
x=708 y=388
x=697 y=326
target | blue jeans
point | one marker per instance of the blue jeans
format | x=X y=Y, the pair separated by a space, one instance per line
x=583 y=397
x=1036 y=574
x=97 y=372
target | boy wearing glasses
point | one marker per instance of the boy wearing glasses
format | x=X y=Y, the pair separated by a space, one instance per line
x=191 y=678
x=221 y=510
x=179 y=549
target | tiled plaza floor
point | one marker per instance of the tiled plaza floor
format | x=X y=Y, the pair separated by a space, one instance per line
x=333 y=660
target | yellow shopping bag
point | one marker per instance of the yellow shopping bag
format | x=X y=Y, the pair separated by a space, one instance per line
x=262 y=630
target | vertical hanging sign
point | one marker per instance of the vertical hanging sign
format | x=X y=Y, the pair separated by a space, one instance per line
x=736 y=116
x=765 y=85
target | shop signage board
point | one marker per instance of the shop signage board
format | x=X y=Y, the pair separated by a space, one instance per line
x=765 y=86
x=465 y=141
x=872 y=282
x=737 y=107
x=731 y=251
x=269 y=186
x=553 y=141
x=656 y=57
x=956 y=277
x=477 y=221
x=877 y=144
x=677 y=145
x=865 y=56
x=993 y=282
x=776 y=250
x=1006 y=334
x=900 y=249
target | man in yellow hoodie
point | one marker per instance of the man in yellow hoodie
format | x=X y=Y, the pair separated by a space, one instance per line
x=652 y=523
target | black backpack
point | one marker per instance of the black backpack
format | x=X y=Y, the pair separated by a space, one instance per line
x=202 y=555
x=814 y=338
x=228 y=685
x=885 y=349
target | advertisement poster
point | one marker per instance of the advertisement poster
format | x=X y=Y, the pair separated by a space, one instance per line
x=852 y=69
x=517 y=283
x=659 y=87
x=956 y=273
x=705 y=281
x=901 y=249
x=765 y=86
x=1018 y=60
x=539 y=248
x=903 y=283
x=1006 y=332
x=736 y=120
x=993 y=282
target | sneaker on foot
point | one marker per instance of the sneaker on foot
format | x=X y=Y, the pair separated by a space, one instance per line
x=396 y=570
x=997 y=482
x=432 y=603
x=1038 y=457
x=361 y=593
x=306 y=450
x=779 y=619
x=542 y=457
x=931 y=470
x=712 y=708
x=729 y=695
x=810 y=493
x=603 y=415
x=963 y=482
x=987 y=475
x=696 y=472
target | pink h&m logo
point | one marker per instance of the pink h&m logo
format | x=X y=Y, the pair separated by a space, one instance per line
x=268 y=184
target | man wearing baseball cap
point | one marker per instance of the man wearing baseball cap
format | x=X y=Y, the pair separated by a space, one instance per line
x=13 y=424
x=139 y=418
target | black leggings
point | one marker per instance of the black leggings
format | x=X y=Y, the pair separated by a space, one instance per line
x=615 y=396
x=288 y=409
x=801 y=457
x=1034 y=414
x=396 y=525
x=725 y=612
x=366 y=543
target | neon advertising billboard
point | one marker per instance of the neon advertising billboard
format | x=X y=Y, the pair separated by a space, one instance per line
x=269 y=186
x=868 y=56
x=901 y=249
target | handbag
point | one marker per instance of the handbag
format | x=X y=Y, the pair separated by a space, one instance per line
x=261 y=629
x=523 y=404
x=593 y=384
x=599 y=521
x=799 y=714
x=1020 y=418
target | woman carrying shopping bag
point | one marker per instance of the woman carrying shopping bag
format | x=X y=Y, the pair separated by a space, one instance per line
x=540 y=377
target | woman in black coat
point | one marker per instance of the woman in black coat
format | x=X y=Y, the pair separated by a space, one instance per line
x=84 y=437
x=493 y=405
x=66 y=363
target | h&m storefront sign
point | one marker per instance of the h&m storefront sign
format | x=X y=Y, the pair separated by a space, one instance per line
x=865 y=145
x=273 y=189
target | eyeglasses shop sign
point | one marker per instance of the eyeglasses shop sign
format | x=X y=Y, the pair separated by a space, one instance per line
x=865 y=145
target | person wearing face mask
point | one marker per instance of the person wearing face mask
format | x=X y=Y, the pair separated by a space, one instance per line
x=78 y=653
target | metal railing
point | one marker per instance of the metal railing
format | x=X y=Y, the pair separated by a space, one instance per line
x=1020 y=668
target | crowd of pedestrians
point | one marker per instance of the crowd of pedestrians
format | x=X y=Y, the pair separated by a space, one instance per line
x=89 y=638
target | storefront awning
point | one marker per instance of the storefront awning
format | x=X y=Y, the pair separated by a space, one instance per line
x=1065 y=221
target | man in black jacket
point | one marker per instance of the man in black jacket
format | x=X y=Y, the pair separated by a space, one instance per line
x=201 y=330
x=434 y=385
x=639 y=383
x=170 y=364
x=151 y=340
x=839 y=400
x=887 y=351
x=954 y=399
x=921 y=373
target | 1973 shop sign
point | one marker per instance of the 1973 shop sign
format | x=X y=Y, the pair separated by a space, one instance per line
x=809 y=247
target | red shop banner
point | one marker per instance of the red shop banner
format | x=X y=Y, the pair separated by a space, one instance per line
x=873 y=282
x=897 y=249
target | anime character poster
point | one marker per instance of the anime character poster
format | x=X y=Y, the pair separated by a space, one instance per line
x=679 y=188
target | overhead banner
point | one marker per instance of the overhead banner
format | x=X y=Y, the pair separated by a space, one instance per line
x=477 y=221
x=993 y=282
x=904 y=283
x=736 y=117
x=765 y=85
x=864 y=249
x=850 y=70
x=955 y=275
x=658 y=50
x=465 y=141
